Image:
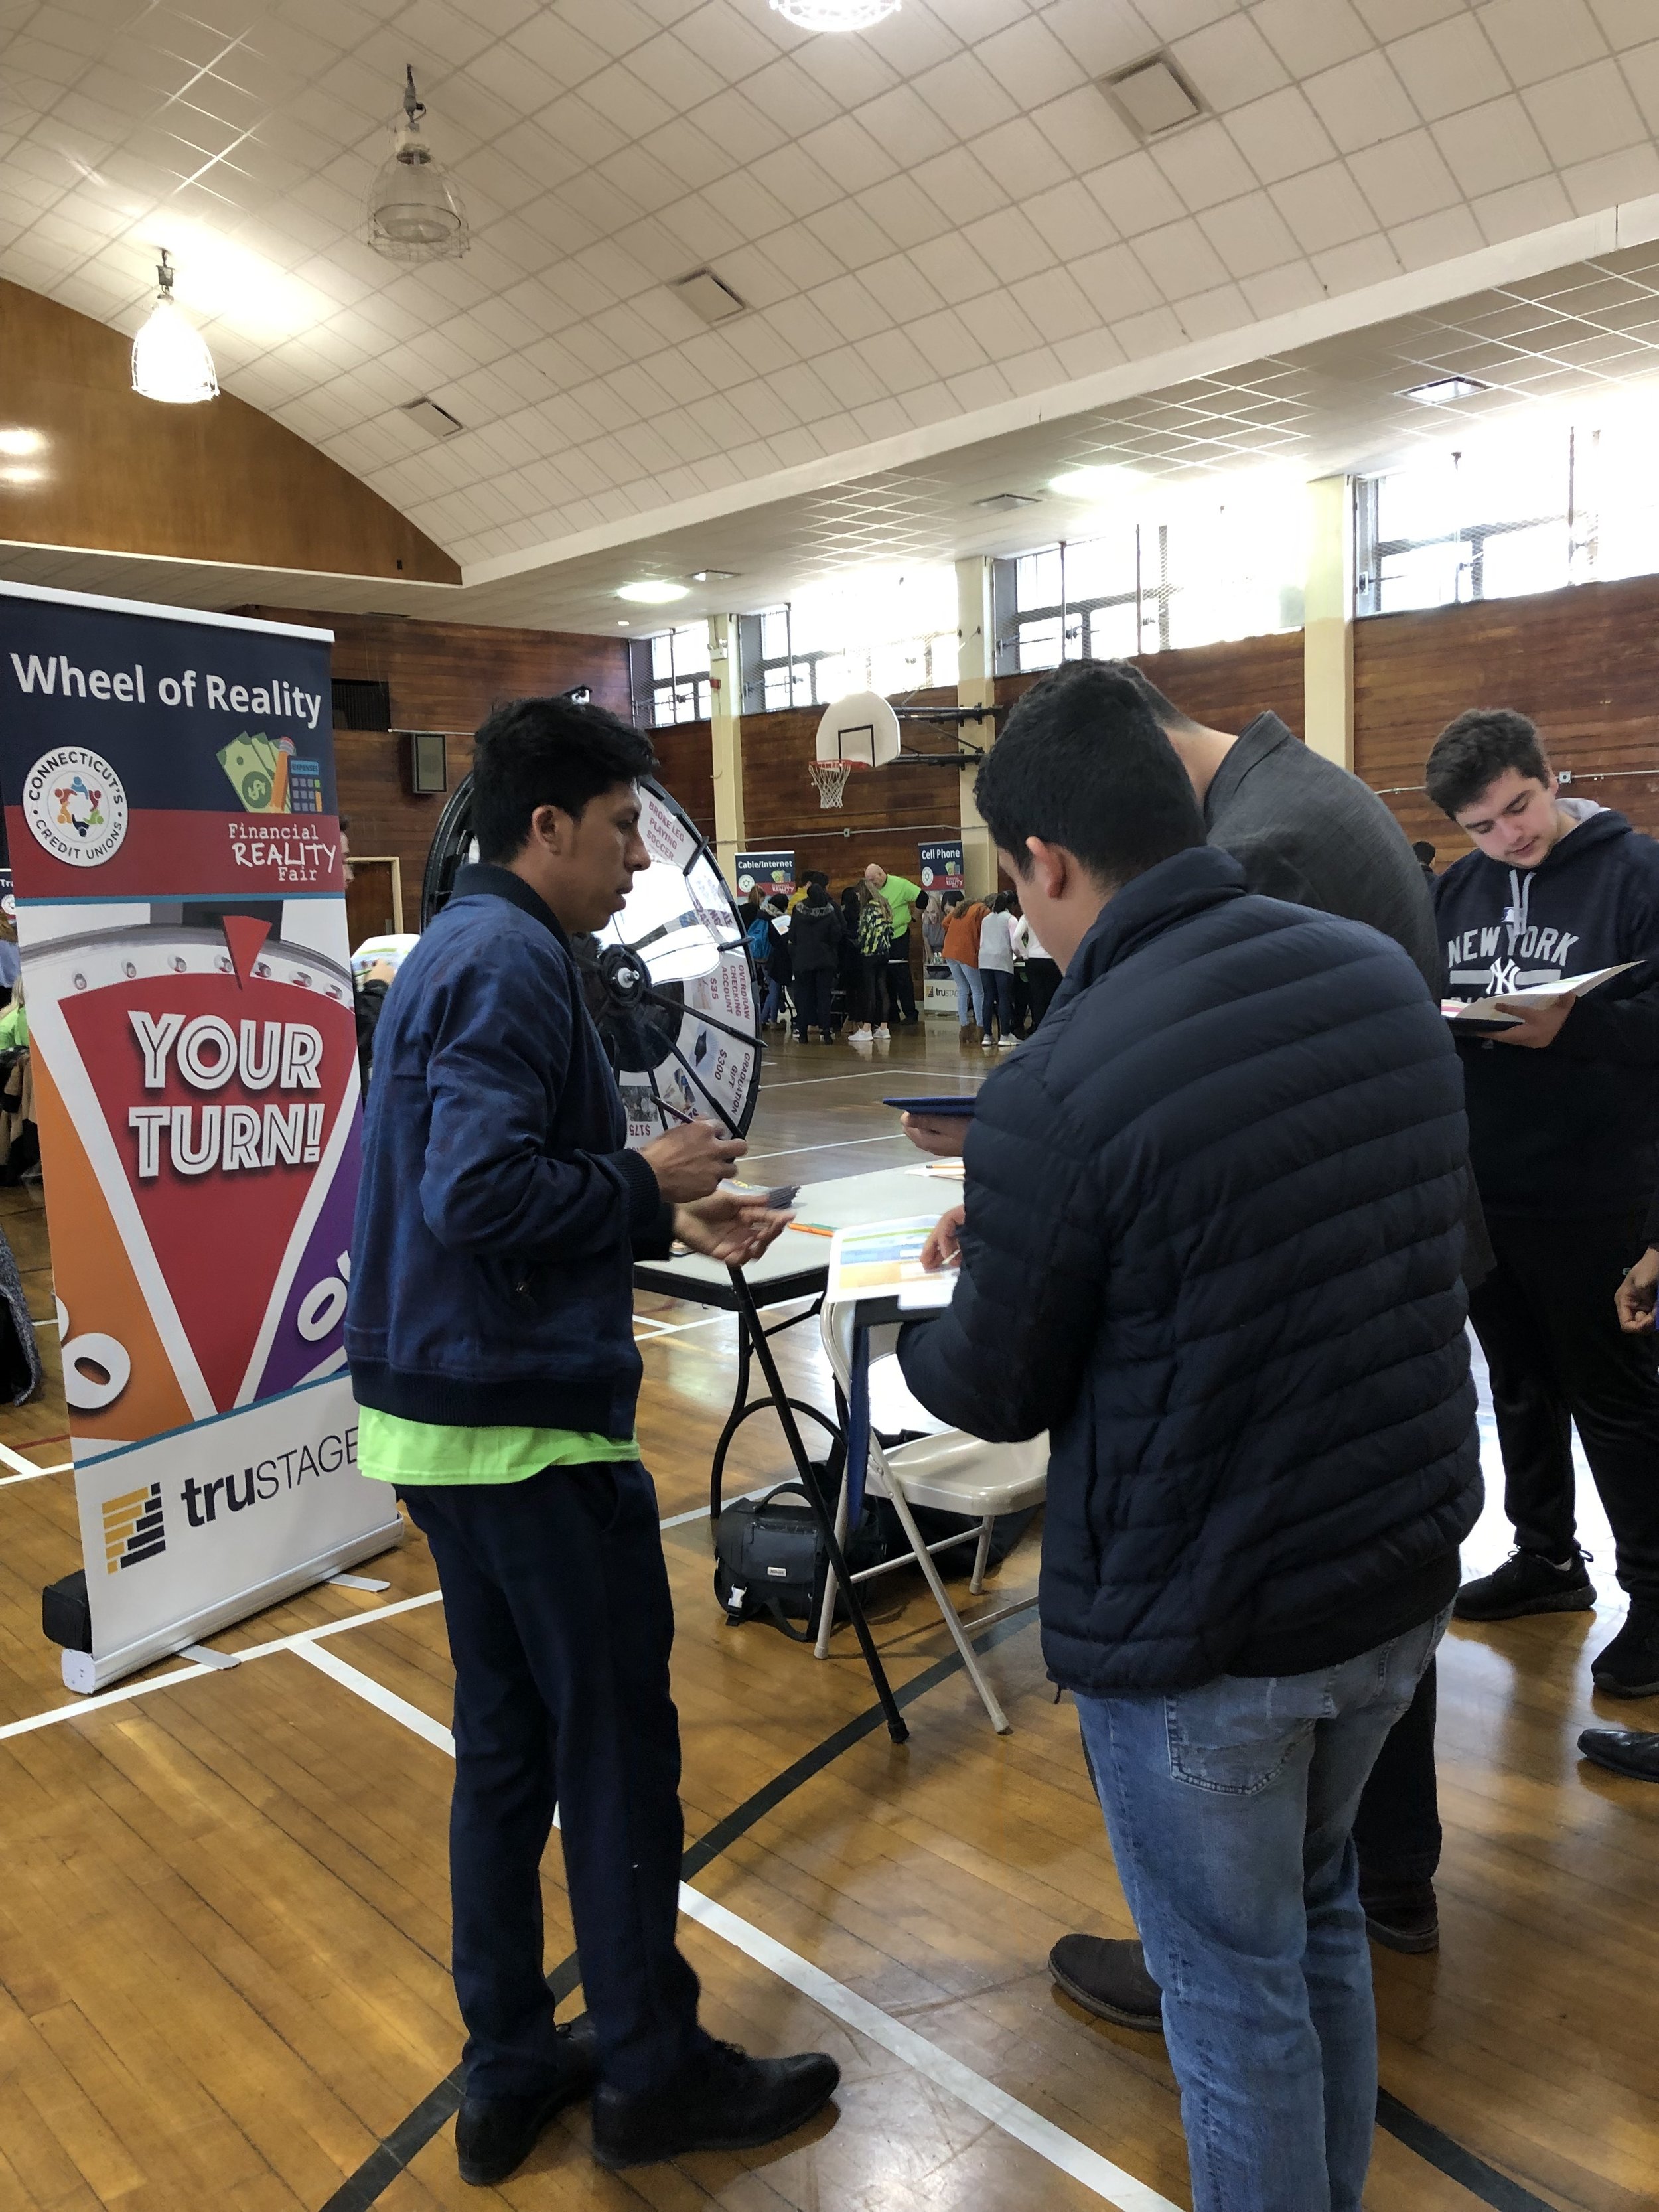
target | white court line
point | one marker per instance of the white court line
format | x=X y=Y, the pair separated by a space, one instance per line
x=54 y=1714
x=376 y=1693
x=1051 y=2143
x=34 y=1473
x=866 y=1075
x=842 y=1144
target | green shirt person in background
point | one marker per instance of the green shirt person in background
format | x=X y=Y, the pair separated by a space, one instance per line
x=901 y=895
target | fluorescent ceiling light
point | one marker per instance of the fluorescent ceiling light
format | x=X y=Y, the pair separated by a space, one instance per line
x=170 y=358
x=1094 y=484
x=653 y=592
x=715 y=575
x=835 y=15
x=1444 y=390
x=1005 y=502
x=430 y=417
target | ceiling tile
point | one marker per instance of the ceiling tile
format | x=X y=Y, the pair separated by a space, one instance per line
x=1361 y=101
x=1249 y=235
x=964 y=95
x=1205 y=165
x=1491 y=146
x=1311 y=34
x=1588 y=113
x=1536 y=38
x=1404 y=178
x=1230 y=62
x=1449 y=68
x=1324 y=207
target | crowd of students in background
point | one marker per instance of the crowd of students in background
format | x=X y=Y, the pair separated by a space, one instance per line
x=841 y=963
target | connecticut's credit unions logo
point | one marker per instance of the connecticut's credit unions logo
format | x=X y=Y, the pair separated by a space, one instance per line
x=74 y=806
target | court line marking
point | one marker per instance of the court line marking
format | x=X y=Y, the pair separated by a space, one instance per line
x=35 y=1473
x=868 y=1075
x=10 y=1458
x=1004 y=2112
x=840 y=1145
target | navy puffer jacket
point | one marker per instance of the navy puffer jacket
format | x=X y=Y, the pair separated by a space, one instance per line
x=1214 y=1230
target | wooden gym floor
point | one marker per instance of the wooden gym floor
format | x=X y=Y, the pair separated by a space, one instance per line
x=222 y=1905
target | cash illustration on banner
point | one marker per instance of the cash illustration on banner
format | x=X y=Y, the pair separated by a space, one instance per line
x=175 y=845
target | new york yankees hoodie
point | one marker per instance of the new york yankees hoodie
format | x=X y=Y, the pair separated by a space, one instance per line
x=1573 y=1128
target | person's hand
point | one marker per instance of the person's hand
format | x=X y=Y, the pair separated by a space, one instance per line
x=729 y=1226
x=943 y=1247
x=1634 y=1300
x=689 y=1161
x=938 y=1134
x=1537 y=1025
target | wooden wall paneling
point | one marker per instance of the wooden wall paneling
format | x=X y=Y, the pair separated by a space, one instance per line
x=1583 y=663
x=1223 y=686
x=220 y=482
x=687 y=769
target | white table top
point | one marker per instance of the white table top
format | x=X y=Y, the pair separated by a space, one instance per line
x=888 y=1194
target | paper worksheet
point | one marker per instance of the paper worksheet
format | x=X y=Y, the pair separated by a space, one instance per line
x=1492 y=1013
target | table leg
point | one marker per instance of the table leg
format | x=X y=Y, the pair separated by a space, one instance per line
x=896 y=1724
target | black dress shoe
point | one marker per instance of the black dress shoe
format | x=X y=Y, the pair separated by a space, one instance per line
x=1623 y=1751
x=724 y=2101
x=1629 y=1666
x=1402 y=1916
x=494 y=2136
x=1109 y=1978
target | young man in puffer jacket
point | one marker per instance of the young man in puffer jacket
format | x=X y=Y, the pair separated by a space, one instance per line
x=1212 y=1240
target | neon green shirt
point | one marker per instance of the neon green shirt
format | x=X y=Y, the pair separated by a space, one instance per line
x=413 y=1453
x=901 y=895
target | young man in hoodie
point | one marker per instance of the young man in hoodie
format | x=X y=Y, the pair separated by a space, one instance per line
x=490 y=1338
x=1564 y=1136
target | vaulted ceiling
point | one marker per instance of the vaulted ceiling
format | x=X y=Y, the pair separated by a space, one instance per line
x=944 y=231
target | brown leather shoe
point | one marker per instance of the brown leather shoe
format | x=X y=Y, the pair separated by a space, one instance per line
x=1109 y=1978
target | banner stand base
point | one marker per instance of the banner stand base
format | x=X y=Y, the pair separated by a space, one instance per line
x=87 y=1674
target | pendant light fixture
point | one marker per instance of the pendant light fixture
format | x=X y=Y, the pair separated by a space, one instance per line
x=415 y=213
x=170 y=356
x=835 y=15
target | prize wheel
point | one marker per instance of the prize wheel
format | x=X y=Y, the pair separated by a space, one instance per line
x=668 y=981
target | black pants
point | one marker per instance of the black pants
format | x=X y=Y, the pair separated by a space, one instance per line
x=999 y=1000
x=1042 y=981
x=1559 y=1359
x=901 y=986
x=873 y=1005
x=812 y=991
x=557 y=1601
x=1396 y=1830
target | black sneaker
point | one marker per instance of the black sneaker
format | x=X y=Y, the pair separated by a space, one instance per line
x=724 y=2101
x=1108 y=1976
x=1629 y=1666
x=1402 y=1916
x=1528 y=1583
x=494 y=2136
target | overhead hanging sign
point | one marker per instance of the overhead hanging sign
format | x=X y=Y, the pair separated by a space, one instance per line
x=168 y=784
x=941 y=868
x=765 y=873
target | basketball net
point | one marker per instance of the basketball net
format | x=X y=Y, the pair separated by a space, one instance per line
x=831 y=778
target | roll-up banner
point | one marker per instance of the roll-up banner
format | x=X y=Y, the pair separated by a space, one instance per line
x=765 y=873
x=174 y=834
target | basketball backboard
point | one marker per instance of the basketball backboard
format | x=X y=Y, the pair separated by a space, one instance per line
x=860 y=727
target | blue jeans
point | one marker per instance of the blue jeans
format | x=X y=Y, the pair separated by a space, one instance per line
x=774 y=1005
x=1229 y=1810
x=971 y=992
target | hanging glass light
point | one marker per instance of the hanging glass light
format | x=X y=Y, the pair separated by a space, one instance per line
x=835 y=15
x=170 y=356
x=415 y=213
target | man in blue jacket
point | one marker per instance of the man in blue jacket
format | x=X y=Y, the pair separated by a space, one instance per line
x=1211 y=1240
x=1563 y=1135
x=490 y=1338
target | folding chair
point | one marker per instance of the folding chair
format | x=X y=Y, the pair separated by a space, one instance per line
x=948 y=1470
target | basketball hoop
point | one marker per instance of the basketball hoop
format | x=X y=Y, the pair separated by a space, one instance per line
x=831 y=778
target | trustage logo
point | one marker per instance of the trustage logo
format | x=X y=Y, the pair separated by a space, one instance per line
x=206 y=1504
x=133 y=1529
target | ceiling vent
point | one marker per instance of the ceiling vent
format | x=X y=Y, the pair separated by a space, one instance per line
x=707 y=297
x=1445 y=390
x=1005 y=502
x=430 y=417
x=1152 y=96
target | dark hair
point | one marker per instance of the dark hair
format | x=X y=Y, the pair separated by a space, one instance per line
x=818 y=891
x=1424 y=851
x=1475 y=750
x=778 y=902
x=950 y=898
x=1083 y=763
x=1165 y=713
x=1003 y=902
x=816 y=876
x=546 y=752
